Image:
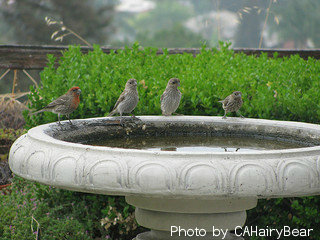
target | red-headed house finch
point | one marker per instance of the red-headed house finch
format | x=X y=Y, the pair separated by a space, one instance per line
x=64 y=105
x=170 y=99
x=128 y=99
x=232 y=103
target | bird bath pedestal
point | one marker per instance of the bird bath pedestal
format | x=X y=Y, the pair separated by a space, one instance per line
x=190 y=190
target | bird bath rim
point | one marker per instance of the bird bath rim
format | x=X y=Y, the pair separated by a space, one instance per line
x=40 y=132
x=204 y=175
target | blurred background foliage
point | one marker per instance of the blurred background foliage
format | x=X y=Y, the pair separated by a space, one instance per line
x=165 y=23
x=119 y=22
x=24 y=20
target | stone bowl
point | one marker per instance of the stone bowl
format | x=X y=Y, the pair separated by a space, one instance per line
x=189 y=189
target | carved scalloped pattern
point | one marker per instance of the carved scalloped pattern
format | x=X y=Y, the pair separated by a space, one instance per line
x=203 y=176
x=152 y=175
x=298 y=174
x=98 y=171
x=256 y=176
x=106 y=171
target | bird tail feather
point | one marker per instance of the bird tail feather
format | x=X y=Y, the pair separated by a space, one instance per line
x=33 y=113
x=112 y=113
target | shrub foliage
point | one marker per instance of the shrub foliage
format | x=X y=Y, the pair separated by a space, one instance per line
x=273 y=88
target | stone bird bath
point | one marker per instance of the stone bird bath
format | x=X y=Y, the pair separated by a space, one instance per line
x=171 y=188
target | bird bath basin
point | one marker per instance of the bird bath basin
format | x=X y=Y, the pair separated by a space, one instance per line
x=182 y=171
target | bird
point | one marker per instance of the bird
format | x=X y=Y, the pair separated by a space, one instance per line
x=232 y=103
x=127 y=100
x=63 y=105
x=170 y=99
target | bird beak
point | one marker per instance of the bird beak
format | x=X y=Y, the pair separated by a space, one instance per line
x=178 y=84
x=79 y=91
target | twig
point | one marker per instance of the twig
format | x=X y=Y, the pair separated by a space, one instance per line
x=17 y=95
x=78 y=36
x=265 y=23
x=31 y=78
x=38 y=228
x=63 y=28
x=5 y=73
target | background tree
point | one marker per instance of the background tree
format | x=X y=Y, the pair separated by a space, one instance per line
x=165 y=15
x=298 y=21
x=249 y=30
x=174 y=37
x=163 y=26
x=23 y=22
x=250 y=17
x=90 y=19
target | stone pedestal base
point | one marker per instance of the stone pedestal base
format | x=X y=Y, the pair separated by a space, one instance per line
x=165 y=221
x=162 y=235
x=188 y=219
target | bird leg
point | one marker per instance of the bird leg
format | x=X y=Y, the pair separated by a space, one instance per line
x=68 y=116
x=121 y=119
x=225 y=115
x=59 y=119
x=240 y=114
x=134 y=117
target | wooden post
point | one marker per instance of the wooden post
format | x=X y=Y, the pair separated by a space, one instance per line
x=15 y=71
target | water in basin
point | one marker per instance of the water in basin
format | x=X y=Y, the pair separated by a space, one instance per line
x=199 y=143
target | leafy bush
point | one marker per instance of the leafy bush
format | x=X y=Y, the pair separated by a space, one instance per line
x=301 y=213
x=273 y=88
x=61 y=214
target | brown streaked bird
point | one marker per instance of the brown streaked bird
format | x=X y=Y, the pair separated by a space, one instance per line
x=232 y=103
x=128 y=99
x=170 y=99
x=63 y=105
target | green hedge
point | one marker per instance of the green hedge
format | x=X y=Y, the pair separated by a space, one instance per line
x=273 y=88
x=297 y=213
